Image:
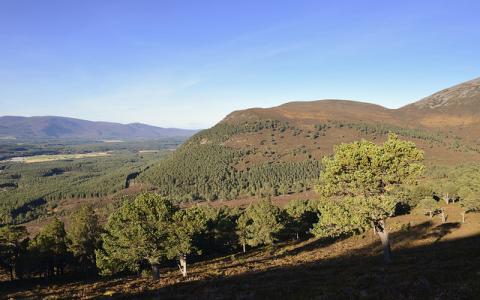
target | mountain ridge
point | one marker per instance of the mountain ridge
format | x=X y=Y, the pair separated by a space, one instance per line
x=73 y=128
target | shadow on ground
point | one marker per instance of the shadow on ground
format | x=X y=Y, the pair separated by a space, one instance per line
x=441 y=270
x=438 y=269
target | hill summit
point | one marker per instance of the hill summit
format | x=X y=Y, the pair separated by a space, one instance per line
x=278 y=150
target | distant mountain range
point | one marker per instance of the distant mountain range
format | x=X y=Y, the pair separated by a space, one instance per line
x=52 y=127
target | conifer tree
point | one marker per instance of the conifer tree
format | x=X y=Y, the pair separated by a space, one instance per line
x=50 y=247
x=469 y=202
x=429 y=206
x=364 y=169
x=302 y=215
x=137 y=233
x=12 y=242
x=84 y=235
x=187 y=225
x=260 y=224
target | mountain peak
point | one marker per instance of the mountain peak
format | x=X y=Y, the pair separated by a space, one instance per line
x=464 y=93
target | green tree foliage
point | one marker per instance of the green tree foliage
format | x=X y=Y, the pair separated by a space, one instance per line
x=352 y=214
x=382 y=129
x=448 y=191
x=302 y=215
x=84 y=235
x=220 y=236
x=204 y=168
x=370 y=173
x=429 y=206
x=363 y=168
x=260 y=224
x=409 y=196
x=135 y=234
x=49 y=249
x=28 y=190
x=469 y=201
x=13 y=241
x=340 y=218
x=187 y=227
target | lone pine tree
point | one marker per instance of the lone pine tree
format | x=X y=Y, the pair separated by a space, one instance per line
x=469 y=202
x=429 y=206
x=369 y=173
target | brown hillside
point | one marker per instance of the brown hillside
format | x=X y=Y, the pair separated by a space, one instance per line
x=452 y=108
x=313 y=112
x=451 y=117
x=457 y=106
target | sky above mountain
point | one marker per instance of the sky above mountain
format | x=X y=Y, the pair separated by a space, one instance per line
x=189 y=63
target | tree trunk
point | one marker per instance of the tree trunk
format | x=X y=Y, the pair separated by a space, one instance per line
x=382 y=232
x=244 y=248
x=444 y=217
x=155 y=271
x=183 y=265
x=297 y=236
x=374 y=228
x=447 y=198
x=463 y=217
x=431 y=214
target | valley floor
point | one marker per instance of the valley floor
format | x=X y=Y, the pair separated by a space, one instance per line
x=431 y=261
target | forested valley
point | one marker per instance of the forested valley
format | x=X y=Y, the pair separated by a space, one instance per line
x=32 y=190
x=359 y=188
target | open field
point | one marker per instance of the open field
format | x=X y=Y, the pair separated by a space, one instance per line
x=54 y=157
x=431 y=261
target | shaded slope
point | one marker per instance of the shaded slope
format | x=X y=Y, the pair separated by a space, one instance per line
x=431 y=261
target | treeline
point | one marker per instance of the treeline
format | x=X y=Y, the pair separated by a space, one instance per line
x=29 y=190
x=204 y=168
x=147 y=233
x=383 y=129
x=53 y=251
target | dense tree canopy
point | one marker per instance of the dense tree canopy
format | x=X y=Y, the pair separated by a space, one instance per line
x=302 y=215
x=12 y=242
x=50 y=248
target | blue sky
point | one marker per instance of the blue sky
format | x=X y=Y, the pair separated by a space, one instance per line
x=189 y=63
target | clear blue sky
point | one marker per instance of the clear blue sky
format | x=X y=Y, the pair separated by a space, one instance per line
x=189 y=63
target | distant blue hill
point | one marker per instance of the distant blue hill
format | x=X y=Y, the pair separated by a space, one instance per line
x=51 y=127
